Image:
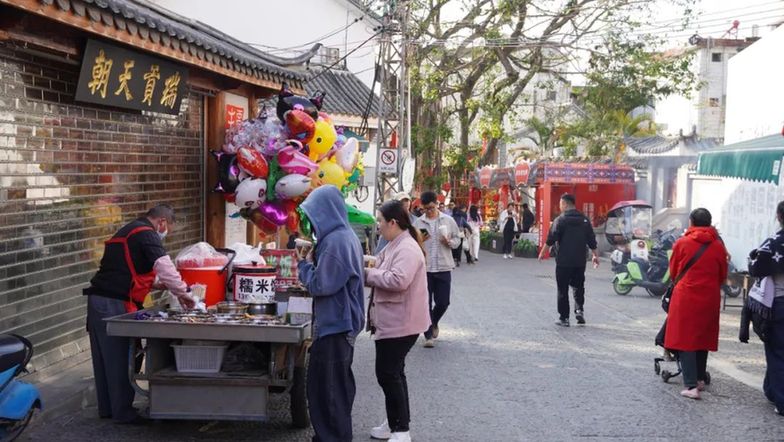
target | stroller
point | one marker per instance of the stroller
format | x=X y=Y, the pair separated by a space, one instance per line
x=669 y=356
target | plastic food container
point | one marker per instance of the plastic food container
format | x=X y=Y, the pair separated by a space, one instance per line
x=198 y=358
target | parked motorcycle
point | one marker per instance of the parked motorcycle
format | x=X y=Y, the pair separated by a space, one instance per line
x=652 y=274
x=18 y=399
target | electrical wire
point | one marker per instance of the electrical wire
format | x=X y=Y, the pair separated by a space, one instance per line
x=343 y=58
x=317 y=40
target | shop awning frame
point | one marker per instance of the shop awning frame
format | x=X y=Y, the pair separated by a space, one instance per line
x=759 y=160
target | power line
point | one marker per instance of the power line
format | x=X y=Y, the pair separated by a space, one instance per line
x=317 y=40
x=343 y=58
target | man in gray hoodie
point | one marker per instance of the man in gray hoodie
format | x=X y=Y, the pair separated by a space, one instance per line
x=334 y=278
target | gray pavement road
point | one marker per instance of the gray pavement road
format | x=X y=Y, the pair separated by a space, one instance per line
x=502 y=371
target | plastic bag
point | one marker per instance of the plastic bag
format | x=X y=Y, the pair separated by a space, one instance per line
x=245 y=254
x=200 y=255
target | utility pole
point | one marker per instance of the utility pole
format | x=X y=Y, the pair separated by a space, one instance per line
x=393 y=118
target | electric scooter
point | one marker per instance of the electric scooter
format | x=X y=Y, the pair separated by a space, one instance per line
x=18 y=399
x=652 y=274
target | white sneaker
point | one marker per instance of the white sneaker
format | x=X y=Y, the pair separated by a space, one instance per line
x=381 y=432
x=403 y=436
x=429 y=343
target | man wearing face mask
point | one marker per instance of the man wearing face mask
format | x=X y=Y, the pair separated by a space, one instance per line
x=134 y=261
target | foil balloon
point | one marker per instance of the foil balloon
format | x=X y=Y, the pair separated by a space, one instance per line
x=253 y=162
x=300 y=125
x=356 y=216
x=325 y=116
x=292 y=223
x=287 y=101
x=230 y=197
x=324 y=138
x=274 y=212
x=292 y=186
x=348 y=155
x=228 y=172
x=329 y=173
x=292 y=160
x=251 y=193
x=258 y=219
x=275 y=174
x=305 y=227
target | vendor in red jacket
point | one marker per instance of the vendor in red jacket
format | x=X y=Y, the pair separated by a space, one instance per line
x=132 y=259
x=693 y=318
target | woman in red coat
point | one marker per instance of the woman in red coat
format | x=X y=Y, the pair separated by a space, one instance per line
x=693 y=318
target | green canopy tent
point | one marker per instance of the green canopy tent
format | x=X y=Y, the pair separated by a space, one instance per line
x=759 y=159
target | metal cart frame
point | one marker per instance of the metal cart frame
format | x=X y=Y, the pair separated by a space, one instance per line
x=221 y=396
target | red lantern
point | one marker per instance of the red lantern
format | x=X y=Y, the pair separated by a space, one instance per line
x=441 y=198
x=446 y=187
x=496 y=198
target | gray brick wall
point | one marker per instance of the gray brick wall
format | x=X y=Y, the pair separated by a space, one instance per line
x=71 y=174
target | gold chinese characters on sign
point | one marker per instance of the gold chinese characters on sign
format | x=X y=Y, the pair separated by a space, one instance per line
x=139 y=82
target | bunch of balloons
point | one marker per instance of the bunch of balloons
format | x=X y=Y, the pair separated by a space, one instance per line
x=268 y=165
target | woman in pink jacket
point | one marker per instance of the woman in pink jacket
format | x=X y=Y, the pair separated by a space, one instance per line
x=398 y=313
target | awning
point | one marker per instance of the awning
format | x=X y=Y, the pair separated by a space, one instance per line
x=755 y=160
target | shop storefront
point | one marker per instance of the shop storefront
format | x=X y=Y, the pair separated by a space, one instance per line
x=104 y=113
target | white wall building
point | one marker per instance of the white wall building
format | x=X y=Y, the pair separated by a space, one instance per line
x=754 y=92
x=704 y=113
x=745 y=187
x=288 y=28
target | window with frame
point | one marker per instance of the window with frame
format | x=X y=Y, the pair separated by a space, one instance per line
x=714 y=102
x=716 y=56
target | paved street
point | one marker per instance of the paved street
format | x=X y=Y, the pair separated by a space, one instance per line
x=502 y=371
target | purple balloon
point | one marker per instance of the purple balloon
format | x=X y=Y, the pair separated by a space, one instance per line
x=274 y=212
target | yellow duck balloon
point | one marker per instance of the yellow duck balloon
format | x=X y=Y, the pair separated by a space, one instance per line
x=328 y=173
x=323 y=139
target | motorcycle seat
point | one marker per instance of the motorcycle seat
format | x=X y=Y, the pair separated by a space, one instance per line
x=12 y=352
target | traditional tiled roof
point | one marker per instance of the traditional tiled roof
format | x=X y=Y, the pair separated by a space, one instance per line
x=655 y=145
x=346 y=94
x=171 y=35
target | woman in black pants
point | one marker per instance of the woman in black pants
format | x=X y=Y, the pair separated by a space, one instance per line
x=509 y=227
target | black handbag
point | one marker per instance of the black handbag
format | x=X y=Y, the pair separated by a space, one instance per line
x=667 y=297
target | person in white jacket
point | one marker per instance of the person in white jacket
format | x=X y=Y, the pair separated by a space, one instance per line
x=441 y=235
x=475 y=222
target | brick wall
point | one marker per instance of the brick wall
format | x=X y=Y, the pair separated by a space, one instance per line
x=70 y=176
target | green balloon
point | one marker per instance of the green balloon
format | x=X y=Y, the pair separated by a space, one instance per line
x=275 y=173
x=356 y=216
x=305 y=228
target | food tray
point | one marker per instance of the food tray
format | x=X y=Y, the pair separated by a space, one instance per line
x=126 y=325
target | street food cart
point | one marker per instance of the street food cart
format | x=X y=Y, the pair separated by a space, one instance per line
x=204 y=390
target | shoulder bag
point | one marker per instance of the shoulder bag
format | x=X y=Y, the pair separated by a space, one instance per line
x=667 y=297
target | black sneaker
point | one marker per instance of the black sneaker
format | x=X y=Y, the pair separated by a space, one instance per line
x=562 y=322
x=578 y=314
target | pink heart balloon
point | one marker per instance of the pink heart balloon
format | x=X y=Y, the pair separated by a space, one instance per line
x=274 y=212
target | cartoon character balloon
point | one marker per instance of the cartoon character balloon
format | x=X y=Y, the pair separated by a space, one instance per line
x=287 y=101
x=301 y=126
x=347 y=155
x=228 y=172
x=252 y=162
x=329 y=173
x=292 y=186
x=251 y=193
x=292 y=160
x=324 y=138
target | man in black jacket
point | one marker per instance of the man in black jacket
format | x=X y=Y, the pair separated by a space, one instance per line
x=571 y=233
